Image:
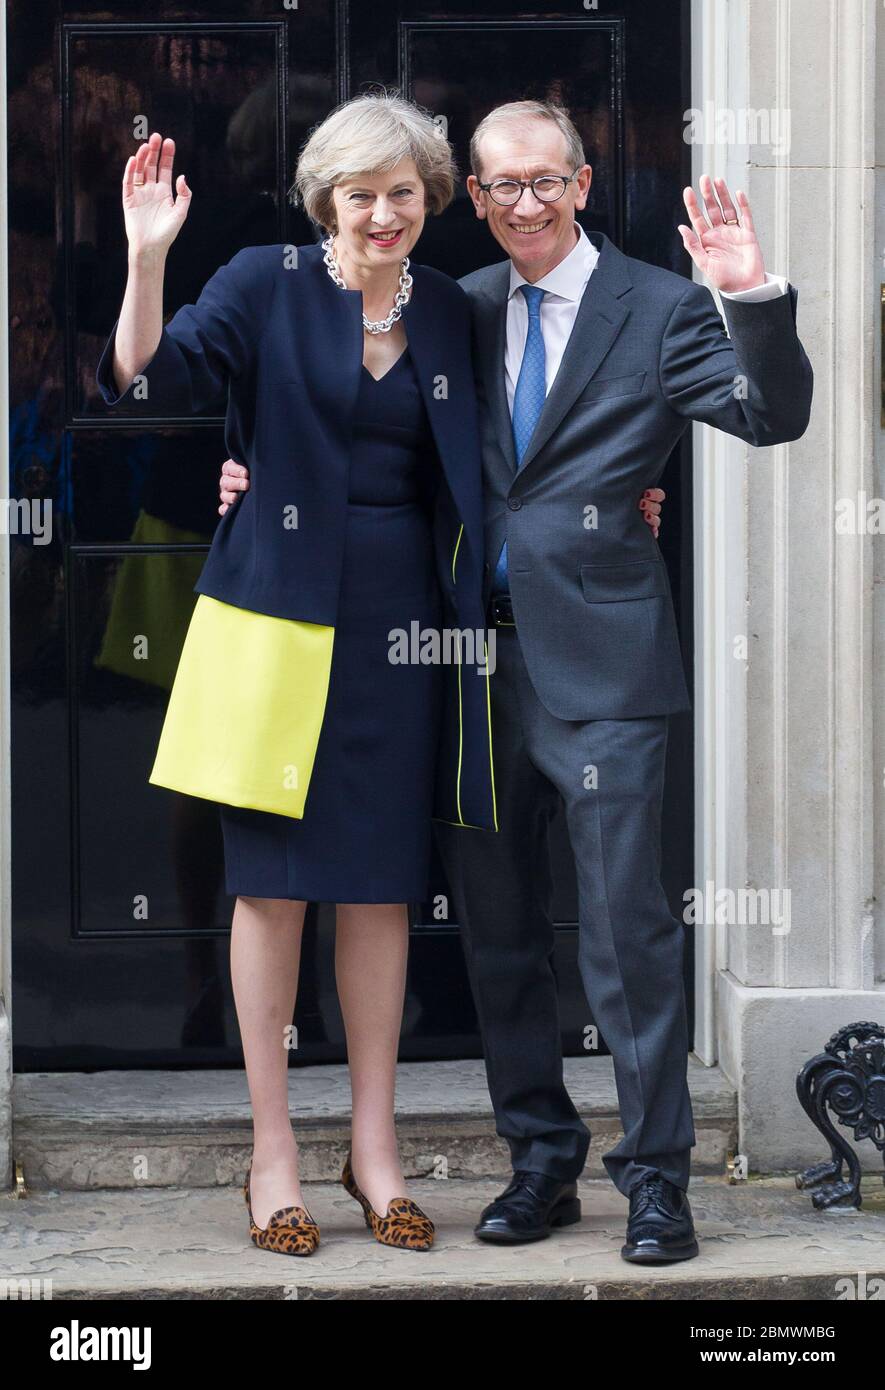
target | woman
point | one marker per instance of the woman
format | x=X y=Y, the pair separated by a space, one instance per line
x=351 y=402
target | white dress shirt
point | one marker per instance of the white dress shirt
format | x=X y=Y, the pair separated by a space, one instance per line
x=565 y=285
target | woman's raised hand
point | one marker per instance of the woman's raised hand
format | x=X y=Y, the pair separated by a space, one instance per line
x=153 y=217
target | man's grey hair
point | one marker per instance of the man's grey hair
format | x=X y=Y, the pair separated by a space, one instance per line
x=516 y=113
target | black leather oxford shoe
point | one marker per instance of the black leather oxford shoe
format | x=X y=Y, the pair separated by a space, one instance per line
x=660 y=1228
x=529 y=1209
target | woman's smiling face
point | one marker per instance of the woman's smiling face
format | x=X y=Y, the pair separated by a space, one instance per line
x=380 y=216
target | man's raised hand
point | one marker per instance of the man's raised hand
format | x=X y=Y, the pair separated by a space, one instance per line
x=722 y=239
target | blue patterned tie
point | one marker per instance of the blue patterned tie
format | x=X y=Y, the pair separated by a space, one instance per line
x=528 y=402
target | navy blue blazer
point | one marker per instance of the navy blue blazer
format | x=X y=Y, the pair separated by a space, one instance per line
x=287 y=343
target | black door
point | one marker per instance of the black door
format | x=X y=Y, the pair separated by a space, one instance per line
x=120 y=915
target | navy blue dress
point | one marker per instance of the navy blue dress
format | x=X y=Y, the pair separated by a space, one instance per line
x=366 y=831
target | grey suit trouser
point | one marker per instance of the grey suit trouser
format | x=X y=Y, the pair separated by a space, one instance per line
x=630 y=949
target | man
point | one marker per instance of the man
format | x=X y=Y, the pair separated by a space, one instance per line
x=590 y=367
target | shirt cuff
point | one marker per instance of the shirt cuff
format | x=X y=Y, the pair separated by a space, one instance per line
x=775 y=285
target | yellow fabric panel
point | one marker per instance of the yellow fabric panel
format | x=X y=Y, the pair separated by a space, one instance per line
x=153 y=597
x=246 y=709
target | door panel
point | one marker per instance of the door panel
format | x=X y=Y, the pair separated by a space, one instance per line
x=120 y=915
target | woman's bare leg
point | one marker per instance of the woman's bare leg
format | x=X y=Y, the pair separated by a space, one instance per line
x=265 y=952
x=371 y=948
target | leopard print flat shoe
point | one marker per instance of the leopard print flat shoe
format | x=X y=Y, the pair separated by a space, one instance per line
x=289 y=1231
x=405 y=1224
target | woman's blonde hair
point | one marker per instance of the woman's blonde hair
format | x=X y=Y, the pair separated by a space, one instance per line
x=370 y=135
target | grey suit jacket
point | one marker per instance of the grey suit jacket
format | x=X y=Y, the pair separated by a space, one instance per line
x=648 y=353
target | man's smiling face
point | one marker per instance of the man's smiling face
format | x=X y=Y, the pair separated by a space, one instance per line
x=535 y=235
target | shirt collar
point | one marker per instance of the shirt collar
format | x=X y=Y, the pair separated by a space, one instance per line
x=566 y=280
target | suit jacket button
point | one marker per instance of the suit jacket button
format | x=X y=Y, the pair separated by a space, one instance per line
x=514 y=503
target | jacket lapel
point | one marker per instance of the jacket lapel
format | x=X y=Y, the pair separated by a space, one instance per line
x=600 y=318
x=436 y=354
x=491 y=326
x=335 y=335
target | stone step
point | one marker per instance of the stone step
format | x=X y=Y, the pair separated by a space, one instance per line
x=758 y=1240
x=185 y=1129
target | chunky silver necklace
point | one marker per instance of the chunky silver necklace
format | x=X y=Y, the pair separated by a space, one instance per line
x=401 y=297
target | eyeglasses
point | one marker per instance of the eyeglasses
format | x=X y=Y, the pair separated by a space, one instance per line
x=547 y=188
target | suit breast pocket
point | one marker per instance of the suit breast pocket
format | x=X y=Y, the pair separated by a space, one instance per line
x=602 y=389
x=618 y=583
